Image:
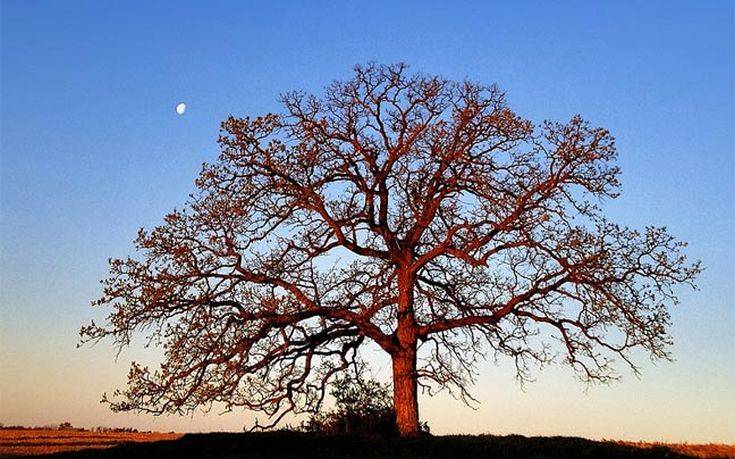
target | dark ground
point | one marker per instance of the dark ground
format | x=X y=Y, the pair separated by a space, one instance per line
x=298 y=445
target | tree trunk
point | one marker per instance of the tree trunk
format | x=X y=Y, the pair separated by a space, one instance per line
x=405 y=397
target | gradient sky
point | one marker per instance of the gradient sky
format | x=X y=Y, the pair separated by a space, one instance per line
x=92 y=149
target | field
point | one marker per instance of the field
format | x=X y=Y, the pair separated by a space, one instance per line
x=81 y=445
x=38 y=442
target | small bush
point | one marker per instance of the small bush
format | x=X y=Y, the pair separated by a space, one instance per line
x=363 y=407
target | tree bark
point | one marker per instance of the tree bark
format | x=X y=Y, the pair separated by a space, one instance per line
x=405 y=397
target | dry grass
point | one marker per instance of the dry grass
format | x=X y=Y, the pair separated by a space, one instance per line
x=710 y=450
x=34 y=442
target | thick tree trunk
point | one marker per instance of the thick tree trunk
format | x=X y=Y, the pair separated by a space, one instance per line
x=405 y=397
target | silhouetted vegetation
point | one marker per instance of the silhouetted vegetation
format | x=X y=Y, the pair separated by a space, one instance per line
x=67 y=426
x=362 y=407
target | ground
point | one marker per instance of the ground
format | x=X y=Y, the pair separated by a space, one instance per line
x=83 y=445
x=39 y=442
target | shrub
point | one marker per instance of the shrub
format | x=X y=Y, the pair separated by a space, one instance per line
x=363 y=407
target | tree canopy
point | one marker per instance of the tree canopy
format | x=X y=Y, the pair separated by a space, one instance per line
x=415 y=212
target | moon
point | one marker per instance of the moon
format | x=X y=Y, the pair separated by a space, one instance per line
x=181 y=108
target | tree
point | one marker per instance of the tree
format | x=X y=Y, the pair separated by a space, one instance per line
x=406 y=210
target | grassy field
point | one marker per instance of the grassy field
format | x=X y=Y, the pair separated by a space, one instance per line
x=40 y=442
x=71 y=444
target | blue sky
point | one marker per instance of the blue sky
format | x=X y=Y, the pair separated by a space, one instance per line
x=91 y=149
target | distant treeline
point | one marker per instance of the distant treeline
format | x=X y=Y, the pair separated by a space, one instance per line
x=67 y=426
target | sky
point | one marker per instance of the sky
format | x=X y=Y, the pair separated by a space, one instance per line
x=91 y=149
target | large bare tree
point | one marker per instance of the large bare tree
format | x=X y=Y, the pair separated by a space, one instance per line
x=417 y=213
